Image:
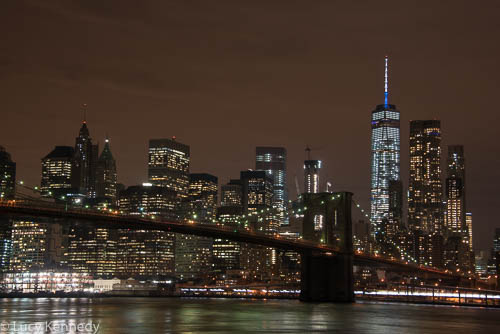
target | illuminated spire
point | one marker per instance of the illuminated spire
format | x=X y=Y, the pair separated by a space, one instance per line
x=84 y=113
x=386 y=81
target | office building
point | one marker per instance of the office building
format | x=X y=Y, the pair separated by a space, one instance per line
x=425 y=188
x=58 y=173
x=385 y=156
x=193 y=254
x=272 y=160
x=468 y=222
x=257 y=199
x=85 y=159
x=106 y=177
x=168 y=165
x=7 y=175
x=35 y=245
x=146 y=253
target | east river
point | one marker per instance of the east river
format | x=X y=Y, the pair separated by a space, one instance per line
x=184 y=315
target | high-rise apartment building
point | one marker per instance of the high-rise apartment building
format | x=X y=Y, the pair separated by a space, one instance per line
x=272 y=160
x=7 y=175
x=425 y=190
x=385 y=157
x=168 y=165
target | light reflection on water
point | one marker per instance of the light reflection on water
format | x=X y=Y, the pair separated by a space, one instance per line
x=165 y=315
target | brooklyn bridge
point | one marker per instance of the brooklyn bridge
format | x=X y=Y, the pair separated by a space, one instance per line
x=327 y=257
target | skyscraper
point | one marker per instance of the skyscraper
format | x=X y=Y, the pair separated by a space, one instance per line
x=168 y=165
x=146 y=253
x=193 y=254
x=58 y=172
x=455 y=190
x=311 y=176
x=425 y=190
x=273 y=161
x=257 y=190
x=226 y=253
x=7 y=175
x=385 y=156
x=86 y=155
x=468 y=221
x=106 y=175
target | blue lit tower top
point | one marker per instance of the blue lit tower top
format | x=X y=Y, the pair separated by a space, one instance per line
x=386 y=81
x=385 y=150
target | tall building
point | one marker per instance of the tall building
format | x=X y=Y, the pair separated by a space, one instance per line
x=232 y=194
x=58 y=172
x=273 y=161
x=468 y=222
x=35 y=245
x=7 y=191
x=146 y=253
x=193 y=254
x=425 y=190
x=385 y=156
x=7 y=175
x=86 y=156
x=257 y=197
x=311 y=176
x=226 y=253
x=168 y=165
x=92 y=250
x=455 y=190
x=106 y=178
x=257 y=189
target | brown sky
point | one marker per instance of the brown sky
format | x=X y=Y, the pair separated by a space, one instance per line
x=225 y=76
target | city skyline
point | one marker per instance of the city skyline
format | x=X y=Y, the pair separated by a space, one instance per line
x=120 y=107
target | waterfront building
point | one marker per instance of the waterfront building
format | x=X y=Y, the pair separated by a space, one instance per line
x=168 y=165
x=272 y=160
x=92 y=250
x=385 y=156
x=7 y=175
x=425 y=188
x=35 y=245
x=45 y=281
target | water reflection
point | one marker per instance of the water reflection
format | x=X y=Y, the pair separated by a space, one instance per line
x=163 y=315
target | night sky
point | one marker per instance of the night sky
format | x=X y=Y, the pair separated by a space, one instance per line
x=226 y=76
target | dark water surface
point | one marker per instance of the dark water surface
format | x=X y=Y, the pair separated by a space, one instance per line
x=170 y=315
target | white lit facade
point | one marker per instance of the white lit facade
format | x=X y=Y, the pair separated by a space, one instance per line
x=385 y=160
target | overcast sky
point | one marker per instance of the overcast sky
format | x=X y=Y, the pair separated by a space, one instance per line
x=226 y=76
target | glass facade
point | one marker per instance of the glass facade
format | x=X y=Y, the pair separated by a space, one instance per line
x=385 y=161
x=272 y=160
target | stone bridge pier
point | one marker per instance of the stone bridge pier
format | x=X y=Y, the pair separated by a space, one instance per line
x=328 y=277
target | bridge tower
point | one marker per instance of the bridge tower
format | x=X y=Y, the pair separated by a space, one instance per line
x=327 y=220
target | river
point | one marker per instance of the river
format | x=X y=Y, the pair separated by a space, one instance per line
x=184 y=315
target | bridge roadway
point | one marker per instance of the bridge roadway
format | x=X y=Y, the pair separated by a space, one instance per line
x=115 y=220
